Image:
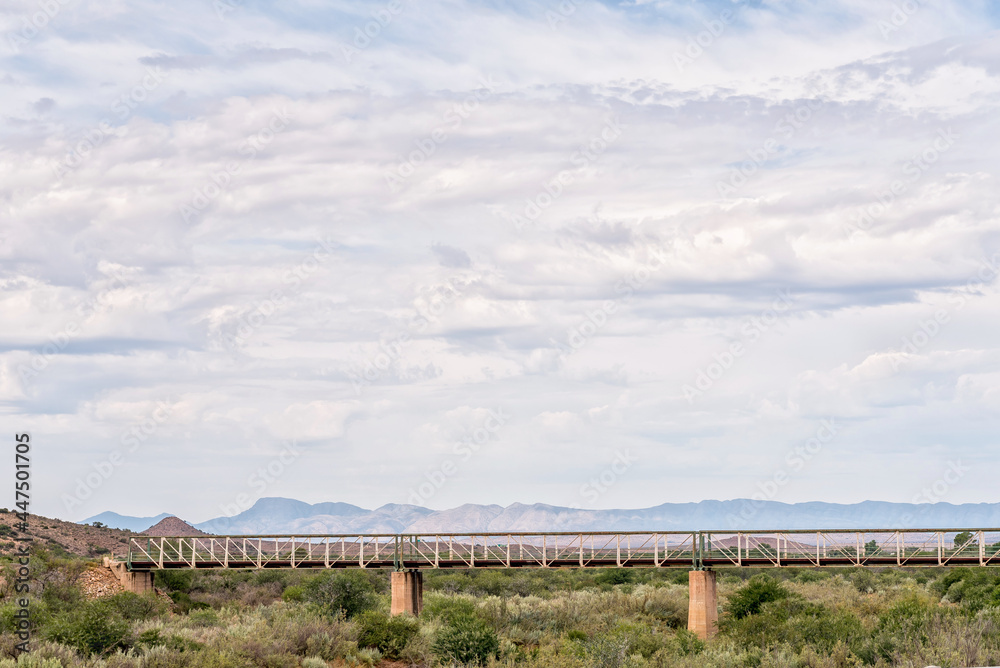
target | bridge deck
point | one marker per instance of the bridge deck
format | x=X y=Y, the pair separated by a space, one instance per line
x=631 y=549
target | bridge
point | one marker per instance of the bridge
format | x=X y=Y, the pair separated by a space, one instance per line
x=701 y=552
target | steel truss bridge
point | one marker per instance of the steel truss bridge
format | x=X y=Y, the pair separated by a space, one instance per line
x=696 y=550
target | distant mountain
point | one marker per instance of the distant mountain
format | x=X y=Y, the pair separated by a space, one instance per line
x=273 y=515
x=116 y=521
x=288 y=516
x=172 y=526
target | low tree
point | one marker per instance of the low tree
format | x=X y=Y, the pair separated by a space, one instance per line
x=965 y=539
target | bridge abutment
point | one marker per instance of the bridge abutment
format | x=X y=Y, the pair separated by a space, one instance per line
x=137 y=582
x=407 y=592
x=703 y=604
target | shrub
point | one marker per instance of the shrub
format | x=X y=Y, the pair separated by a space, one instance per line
x=295 y=593
x=688 y=643
x=365 y=657
x=89 y=629
x=185 y=603
x=614 y=576
x=179 y=580
x=668 y=607
x=387 y=634
x=131 y=607
x=448 y=608
x=271 y=575
x=748 y=599
x=313 y=662
x=864 y=581
x=973 y=588
x=467 y=640
x=608 y=652
x=350 y=591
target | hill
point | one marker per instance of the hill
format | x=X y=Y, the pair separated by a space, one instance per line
x=60 y=537
x=172 y=526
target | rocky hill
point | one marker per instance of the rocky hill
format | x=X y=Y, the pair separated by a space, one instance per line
x=61 y=537
x=172 y=526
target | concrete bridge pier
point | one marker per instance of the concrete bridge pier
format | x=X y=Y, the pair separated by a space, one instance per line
x=137 y=582
x=407 y=592
x=703 y=604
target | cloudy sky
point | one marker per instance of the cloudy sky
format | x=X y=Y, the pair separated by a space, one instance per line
x=597 y=254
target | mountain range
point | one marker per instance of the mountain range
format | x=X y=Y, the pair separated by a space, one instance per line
x=273 y=515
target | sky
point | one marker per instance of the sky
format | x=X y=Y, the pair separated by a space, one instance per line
x=593 y=254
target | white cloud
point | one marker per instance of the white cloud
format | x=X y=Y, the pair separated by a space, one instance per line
x=306 y=299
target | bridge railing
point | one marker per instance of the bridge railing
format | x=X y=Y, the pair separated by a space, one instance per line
x=691 y=549
x=885 y=547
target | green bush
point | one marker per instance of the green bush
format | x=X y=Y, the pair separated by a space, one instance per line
x=864 y=581
x=688 y=643
x=607 y=652
x=185 y=603
x=314 y=662
x=349 y=591
x=973 y=588
x=131 y=607
x=89 y=629
x=749 y=598
x=467 y=640
x=295 y=593
x=387 y=634
x=269 y=575
x=448 y=608
x=615 y=576
x=179 y=580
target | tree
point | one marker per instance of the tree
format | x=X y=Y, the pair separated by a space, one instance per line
x=871 y=548
x=965 y=539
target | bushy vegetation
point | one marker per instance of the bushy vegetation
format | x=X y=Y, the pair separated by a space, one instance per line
x=538 y=619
